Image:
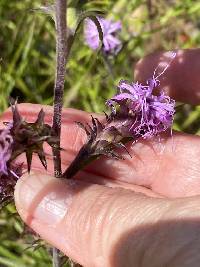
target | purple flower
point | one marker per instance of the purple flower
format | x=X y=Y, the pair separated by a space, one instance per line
x=136 y=112
x=6 y=141
x=111 y=44
x=150 y=114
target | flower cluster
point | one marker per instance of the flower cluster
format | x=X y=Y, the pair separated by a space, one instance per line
x=111 y=44
x=151 y=114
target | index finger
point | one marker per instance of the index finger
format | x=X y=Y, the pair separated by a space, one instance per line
x=181 y=80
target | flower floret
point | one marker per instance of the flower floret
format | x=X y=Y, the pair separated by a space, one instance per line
x=151 y=114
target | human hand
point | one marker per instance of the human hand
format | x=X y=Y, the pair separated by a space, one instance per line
x=100 y=218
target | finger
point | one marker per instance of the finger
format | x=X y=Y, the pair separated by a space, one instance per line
x=99 y=226
x=181 y=80
x=114 y=183
x=169 y=166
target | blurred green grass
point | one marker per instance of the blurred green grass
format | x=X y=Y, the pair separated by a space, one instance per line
x=27 y=62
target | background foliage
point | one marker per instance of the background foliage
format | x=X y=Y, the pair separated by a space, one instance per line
x=27 y=61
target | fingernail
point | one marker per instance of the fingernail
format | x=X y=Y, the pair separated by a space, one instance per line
x=42 y=198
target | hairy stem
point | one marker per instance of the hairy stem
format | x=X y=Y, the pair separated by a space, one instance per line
x=56 y=258
x=61 y=58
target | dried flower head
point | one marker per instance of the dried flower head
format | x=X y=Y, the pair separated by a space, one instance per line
x=111 y=44
x=21 y=137
x=29 y=138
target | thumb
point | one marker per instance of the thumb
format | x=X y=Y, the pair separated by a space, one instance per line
x=99 y=226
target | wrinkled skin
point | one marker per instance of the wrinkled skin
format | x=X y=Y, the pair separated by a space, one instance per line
x=143 y=211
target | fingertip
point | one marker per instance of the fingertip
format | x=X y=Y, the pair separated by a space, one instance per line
x=181 y=80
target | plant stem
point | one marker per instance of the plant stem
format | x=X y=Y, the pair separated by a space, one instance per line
x=61 y=58
x=108 y=66
x=56 y=258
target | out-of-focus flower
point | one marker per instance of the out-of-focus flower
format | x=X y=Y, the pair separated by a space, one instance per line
x=8 y=182
x=111 y=44
x=8 y=171
x=6 y=141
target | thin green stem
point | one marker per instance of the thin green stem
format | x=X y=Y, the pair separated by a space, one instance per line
x=108 y=66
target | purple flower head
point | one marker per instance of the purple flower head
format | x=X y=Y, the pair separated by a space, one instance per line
x=6 y=141
x=150 y=114
x=111 y=44
x=136 y=111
